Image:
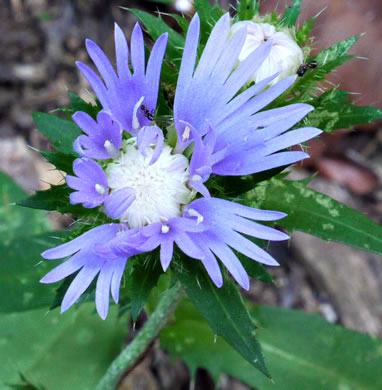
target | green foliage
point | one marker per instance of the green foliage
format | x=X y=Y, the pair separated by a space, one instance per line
x=254 y=269
x=303 y=351
x=183 y=22
x=17 y=222
x=327 y=61
x=25 y=385
x=302 y=35
x=291 y=14
x=247 y=9
x=60 y=352
x=56 y=198
x=21 y=269
x=78 y=104
x=223 y=309
x=61 y=132
x=62 y=161
x=334 y=110
x=143 y=279
x=317 y=214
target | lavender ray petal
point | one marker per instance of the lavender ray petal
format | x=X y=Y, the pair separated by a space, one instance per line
x=223 y=206
x=137 y=51
x=245 y=246
x=257 y=230
x=166 y=252
x=96 y=83
x=85 y=122
x=90 y=171
x=121 y=53
x=229 y=57
x=187 y=246
x=242 y=98
x=245 y=70
x=187 y=65
x=291 y=138
x=65 y=269
x=241 y=165
x=212 y=267
x=102 y=297
x=98 y=234
x=214 y=47
x=102 y=63
x=118 y=202
x=119 y=268
x=231 y=262
x=154 y=63
x=89 y=200
x=81 y=282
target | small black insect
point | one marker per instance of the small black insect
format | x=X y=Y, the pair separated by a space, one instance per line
x=304 y=67
x=147 y=113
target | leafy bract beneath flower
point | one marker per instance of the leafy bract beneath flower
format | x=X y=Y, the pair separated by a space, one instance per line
x=157 y=195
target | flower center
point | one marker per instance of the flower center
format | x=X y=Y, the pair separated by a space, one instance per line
x=160 y=189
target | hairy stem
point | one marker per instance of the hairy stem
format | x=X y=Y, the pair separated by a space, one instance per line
x=128 y=357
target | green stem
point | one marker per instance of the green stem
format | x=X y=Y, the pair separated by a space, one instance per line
x=147 y=334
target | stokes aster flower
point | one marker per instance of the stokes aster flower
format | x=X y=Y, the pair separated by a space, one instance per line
x=154 y=192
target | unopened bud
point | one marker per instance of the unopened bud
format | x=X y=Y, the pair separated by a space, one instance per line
x=285 y=56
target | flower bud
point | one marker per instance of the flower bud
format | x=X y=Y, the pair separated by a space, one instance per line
x=285 y=56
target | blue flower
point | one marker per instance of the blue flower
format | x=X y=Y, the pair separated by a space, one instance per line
x=156 y=193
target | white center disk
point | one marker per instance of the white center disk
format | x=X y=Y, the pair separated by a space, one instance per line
x=160 y=188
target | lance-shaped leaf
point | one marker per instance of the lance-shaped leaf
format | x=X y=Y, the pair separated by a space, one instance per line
x=334 y=110
x=223 y=309
x=142 y=280
x=61 y=132
x=17 y=221
x=21 y=269
x=303 y=351
x=317 y=214
x=56 y=198
x=58 y=352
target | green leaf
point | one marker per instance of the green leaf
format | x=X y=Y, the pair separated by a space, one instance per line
x=303 y=351
x=182 y=21
x=62 y=161
x=334 y=110
x=25 y=385
x=254 y=269
x=247 y=9
x=79 y=104
x=17 y=221
x=21 y=268
x=317 y=214
x=61 y=132
x=60 y=352
x=224 y=310
x=291 y=14
x=56 y=198
x=143 y=279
